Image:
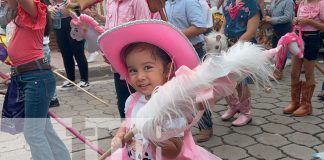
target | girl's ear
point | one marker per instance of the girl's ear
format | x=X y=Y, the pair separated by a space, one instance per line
x=168 y=69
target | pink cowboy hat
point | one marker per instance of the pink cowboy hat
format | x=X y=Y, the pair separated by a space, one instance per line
x=159 y=33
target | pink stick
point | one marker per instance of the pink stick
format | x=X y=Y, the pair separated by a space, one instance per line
x=77 y=134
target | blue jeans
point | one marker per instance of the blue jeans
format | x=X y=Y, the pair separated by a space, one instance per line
x=38 y=88
x=47 y=52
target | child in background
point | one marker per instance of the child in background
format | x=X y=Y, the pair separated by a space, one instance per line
x=310 y=18
x=145 y=62
x=242 y=18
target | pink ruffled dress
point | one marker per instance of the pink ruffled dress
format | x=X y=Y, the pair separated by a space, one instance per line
x=189 y=150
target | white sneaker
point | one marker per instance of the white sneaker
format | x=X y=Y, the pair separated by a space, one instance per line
x=83 y=84
x=67 y=85
x=92 y=57
x=321 y=61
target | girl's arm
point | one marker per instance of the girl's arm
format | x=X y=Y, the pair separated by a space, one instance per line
x=316 y=24
x=251 y=29
x=29 y=6
x=94 y=14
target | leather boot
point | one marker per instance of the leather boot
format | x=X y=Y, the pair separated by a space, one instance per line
x=295 y=98
x=232 y=101
x=305 y=107
x=245 y=113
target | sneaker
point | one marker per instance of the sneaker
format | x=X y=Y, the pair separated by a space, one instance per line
x=67 y=85
x=321 y=61
x=92 y=57
x=54 y=103
x=83 y=84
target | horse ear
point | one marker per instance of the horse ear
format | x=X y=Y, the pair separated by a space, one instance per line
x=218 y=37
x=272 y=52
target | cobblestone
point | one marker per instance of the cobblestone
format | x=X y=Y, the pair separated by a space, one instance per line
x=270 y=135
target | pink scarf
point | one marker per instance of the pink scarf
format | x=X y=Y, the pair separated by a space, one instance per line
x=233 y=10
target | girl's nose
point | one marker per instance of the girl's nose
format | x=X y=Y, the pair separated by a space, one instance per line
x=140 y=75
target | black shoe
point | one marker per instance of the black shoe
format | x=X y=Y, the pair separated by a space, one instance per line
x=54 y=103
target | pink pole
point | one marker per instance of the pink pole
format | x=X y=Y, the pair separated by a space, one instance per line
x=77 y=134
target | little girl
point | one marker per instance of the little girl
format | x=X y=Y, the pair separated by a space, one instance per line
x=145 y=62
x=310 y=18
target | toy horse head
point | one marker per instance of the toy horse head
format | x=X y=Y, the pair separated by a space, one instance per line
x=289 y=42
x=85 y=27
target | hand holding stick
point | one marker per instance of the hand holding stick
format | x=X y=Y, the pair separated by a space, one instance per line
x=126 y=138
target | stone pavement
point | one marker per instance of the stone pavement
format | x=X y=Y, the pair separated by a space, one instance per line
x=271 y=134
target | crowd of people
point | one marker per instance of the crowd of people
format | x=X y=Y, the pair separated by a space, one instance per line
x=149 y=65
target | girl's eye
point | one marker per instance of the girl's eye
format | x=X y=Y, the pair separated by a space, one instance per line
x=147 y=68
x=131 y=71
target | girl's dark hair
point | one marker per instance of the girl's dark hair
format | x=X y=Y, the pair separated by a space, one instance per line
x=156 y=51
x=12 y=14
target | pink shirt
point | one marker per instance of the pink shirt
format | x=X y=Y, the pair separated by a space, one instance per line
x=313 y=11
x=26 y=44
x=121 y=11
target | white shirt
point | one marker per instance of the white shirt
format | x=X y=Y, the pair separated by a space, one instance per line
x=207 y=13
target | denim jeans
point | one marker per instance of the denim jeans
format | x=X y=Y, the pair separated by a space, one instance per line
x=47 y=52
x=38 y=87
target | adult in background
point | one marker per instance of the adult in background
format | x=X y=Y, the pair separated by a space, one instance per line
x=281 y=18
x=70 y=48
x=188 y=16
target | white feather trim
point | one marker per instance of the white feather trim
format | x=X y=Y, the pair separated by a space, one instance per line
x=176 y=98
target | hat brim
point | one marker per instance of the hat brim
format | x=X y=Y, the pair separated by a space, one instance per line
x=156 y=32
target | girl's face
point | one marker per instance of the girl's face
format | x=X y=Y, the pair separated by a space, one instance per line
x=146 y=71
x=12 y=4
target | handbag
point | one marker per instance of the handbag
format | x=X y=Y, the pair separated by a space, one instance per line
x=13 y=113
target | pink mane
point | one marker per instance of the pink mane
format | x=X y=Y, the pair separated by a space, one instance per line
x=89 y=21
x=284 y=42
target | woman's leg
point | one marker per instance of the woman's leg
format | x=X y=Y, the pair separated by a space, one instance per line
x=78 y=53
x=38 y=88
x=62 y=37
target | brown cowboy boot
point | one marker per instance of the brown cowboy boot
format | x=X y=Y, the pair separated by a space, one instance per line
x=305 y=107
x=295 y=98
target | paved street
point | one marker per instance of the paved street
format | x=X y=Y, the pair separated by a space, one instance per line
x=271 y=134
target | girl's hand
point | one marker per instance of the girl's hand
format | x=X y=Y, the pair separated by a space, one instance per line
x=53 y=10
x=117 y=142
x=303 y=21
x=267 y=19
